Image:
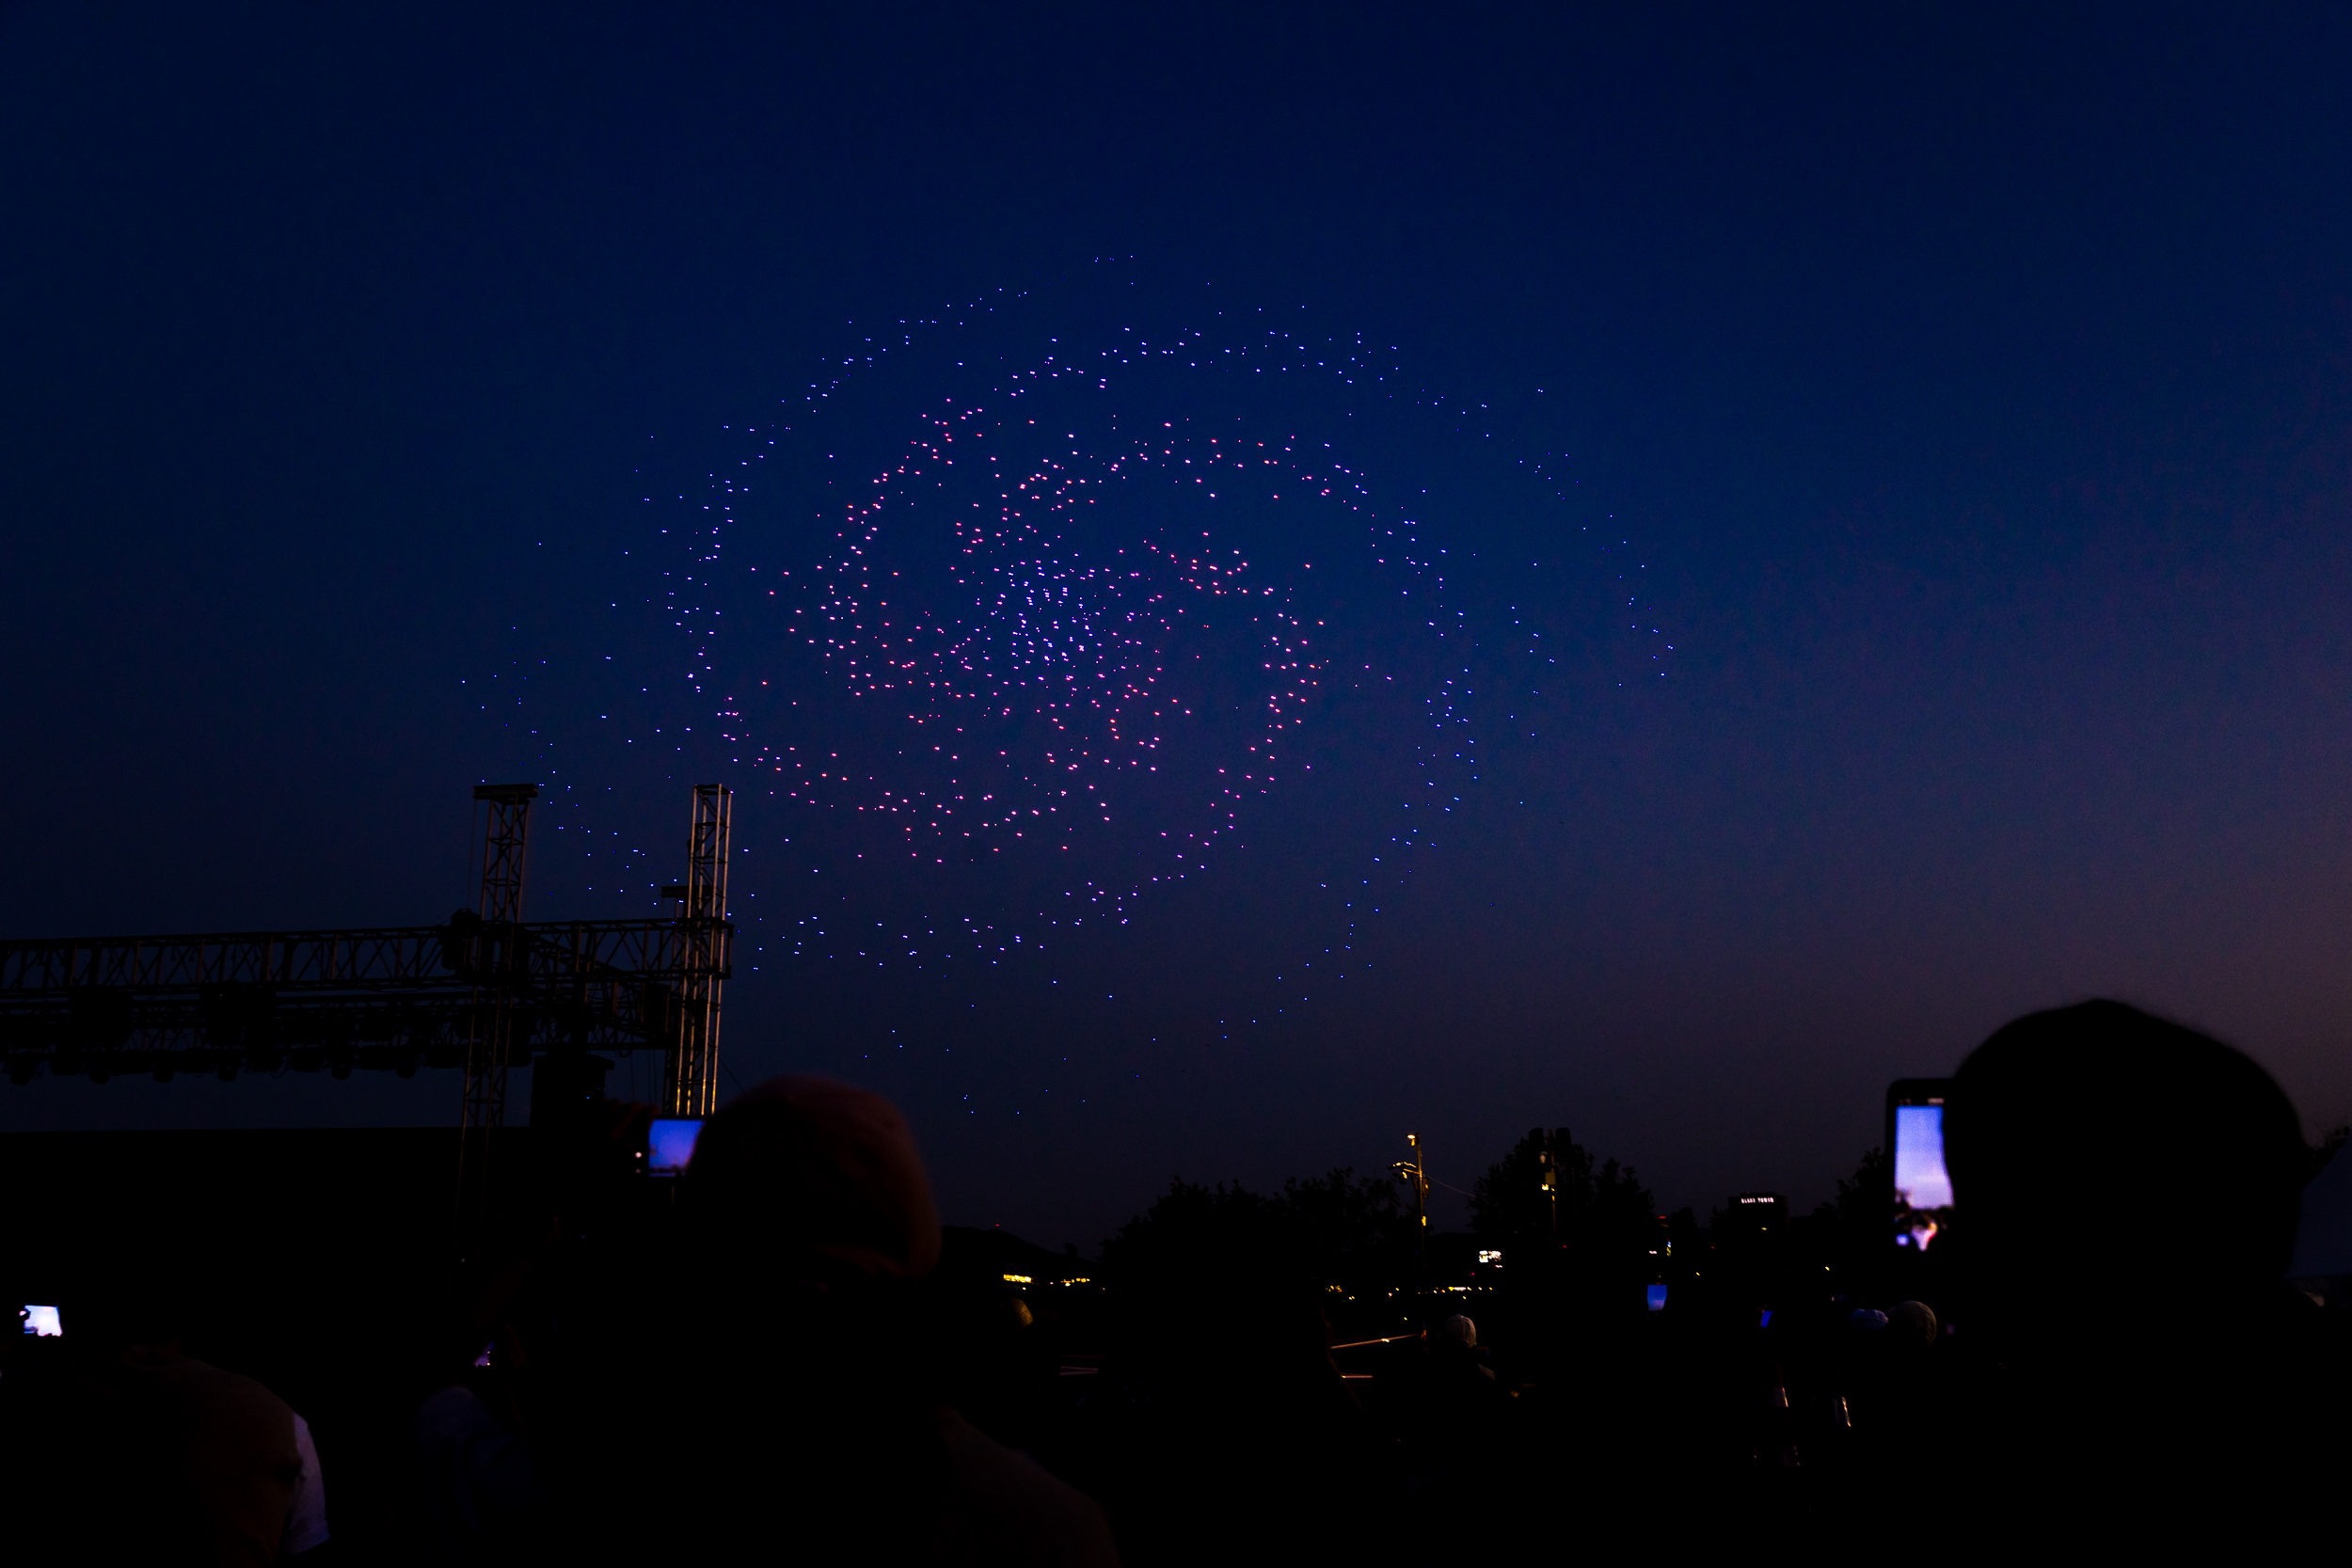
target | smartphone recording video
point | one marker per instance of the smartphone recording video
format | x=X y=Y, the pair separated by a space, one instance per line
x=1915 y=1133
x=670 y=1146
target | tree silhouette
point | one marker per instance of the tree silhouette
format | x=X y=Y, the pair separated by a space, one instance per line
x=1857 y=1226
x=2325 y=1150
x=1602 y=1208
x=1333 y=1228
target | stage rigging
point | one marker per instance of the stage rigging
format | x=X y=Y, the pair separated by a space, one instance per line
x=485 y=990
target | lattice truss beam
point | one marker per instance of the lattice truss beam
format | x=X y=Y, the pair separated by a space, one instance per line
x=690 y=1086
x=393 y=998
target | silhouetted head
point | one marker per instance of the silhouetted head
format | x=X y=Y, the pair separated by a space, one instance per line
x=1912 y=1323
x=2097 y=1139
x=795 y=1372
x=805 y=1190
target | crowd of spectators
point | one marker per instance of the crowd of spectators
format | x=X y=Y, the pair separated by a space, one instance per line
x=778 y=1364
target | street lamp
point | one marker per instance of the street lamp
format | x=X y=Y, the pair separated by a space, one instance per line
x=1413 y=1176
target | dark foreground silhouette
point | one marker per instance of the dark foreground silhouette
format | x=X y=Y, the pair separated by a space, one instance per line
x=2130 y=1190
x=777 y=1356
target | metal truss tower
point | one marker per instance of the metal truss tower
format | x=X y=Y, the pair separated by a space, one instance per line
x=495 y=962
x=691 y=1084
x=485 y=991
x=376 y=998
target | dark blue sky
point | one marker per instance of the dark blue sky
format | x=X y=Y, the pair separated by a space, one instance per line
x=1972 y=387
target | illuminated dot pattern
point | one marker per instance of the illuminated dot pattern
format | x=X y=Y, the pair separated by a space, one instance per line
x=1056 y=637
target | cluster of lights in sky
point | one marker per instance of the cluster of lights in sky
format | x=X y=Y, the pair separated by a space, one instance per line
x=1012 y=619
x=1051 y=675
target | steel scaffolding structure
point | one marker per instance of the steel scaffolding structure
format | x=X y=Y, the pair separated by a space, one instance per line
x=493 y=961
x=396 y=998
x=691 y=1083
x=392 y=998
x=486 y=990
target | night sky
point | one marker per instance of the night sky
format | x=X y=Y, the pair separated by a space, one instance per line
x=1747 y=548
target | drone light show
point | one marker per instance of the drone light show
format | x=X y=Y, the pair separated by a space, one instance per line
x=1027 y=613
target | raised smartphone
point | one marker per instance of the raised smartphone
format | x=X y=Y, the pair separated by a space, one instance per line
x=669 y=1144
x=1915 y=1136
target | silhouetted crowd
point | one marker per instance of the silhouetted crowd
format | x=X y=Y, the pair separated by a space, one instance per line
x=778 y=1365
